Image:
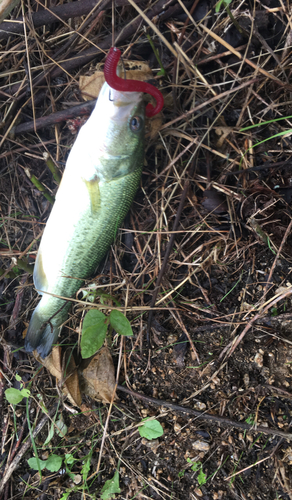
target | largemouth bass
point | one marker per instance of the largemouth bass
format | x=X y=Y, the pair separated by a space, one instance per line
x=97 y=189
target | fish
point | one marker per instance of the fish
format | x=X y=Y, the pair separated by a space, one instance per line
x=98 y=186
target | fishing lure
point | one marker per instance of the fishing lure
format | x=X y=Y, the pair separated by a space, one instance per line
x=117 y=83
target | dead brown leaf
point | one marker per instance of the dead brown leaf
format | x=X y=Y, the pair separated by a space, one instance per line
x=90 y=85
x=98 y=379
x=64 y=369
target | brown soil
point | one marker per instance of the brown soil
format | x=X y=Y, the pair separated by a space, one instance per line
x=218 y=374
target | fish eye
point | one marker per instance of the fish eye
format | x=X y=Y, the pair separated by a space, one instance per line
x=136 y=124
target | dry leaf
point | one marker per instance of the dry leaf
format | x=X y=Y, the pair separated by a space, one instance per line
x=155 y=125
x=283 y=289
x=98 y=379
x=180 y=350
x=54 y=364
x=71 y=385
x=214 y=202
x=90 y=85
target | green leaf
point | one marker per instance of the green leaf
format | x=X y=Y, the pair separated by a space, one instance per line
x=62 y=427
x=50 y=435
x=54 y=462
x=86 y=466
x=93 y=333
x=202 y=478
x=69 y=459
x=66 y=494
x=120 y=323
x=196 y=465
x=111 y=487
x=89 y=295
x=223 y=3
x=25 y=392
x=14 y=396
x=35 y=464
x=151 y=429
x=92 y=317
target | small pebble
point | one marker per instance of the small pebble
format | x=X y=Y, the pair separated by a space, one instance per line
x=259 y=359
x=201 y=446
x=77 y=479
x=199 y=406
x=171 y=339
x=153 y=445
x=265 y=372
x=246 y=379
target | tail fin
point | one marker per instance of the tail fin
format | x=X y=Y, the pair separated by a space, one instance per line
x=43 y=329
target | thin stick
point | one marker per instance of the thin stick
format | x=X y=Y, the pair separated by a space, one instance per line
x=45 y=121
x=276 y=259
x=206 y=416
x=210 y=101
x=238 y=54
x=167 y=253
x=155 y=29
x=25 y=448
x=256 y=317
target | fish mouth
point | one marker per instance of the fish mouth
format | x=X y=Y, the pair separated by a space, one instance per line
x=119 y=105
x=120 y=99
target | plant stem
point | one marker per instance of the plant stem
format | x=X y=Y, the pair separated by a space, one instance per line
x=162 y=71
x=235 y=22
x=51 y=165
x=39 y=186
x=24 y=265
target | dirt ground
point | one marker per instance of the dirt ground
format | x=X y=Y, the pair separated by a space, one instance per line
x=212 y=363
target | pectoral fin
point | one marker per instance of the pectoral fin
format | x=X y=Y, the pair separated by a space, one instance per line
x=94 y=194
x=39 y=275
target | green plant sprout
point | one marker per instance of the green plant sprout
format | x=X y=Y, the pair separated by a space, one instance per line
x=94 y=329
x=244 y=129
x=15 y=396
x=111 y=487
x=198 y=467
x=222 y=3
x=236 y=464
x=150 y=429
x=162 y=71
x=238 y=281
x=91 y=292
x=226 y=4
x=249 y=421
x=285 y=132
x=53 y=463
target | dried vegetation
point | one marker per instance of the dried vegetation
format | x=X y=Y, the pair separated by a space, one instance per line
x=213 y=212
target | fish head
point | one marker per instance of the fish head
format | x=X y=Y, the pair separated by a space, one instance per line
x=118 y=122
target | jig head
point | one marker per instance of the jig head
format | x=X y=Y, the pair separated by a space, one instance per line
x=117 y=83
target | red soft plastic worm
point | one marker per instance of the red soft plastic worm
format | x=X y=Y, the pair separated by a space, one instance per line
x=117 y=83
